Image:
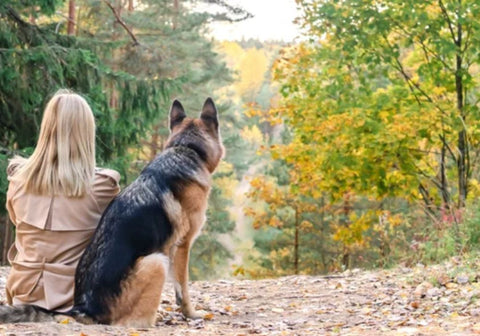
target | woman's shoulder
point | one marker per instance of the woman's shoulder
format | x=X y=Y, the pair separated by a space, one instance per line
x=14 y=164
x=106 y=180
x=107 y=173
x=106 y=185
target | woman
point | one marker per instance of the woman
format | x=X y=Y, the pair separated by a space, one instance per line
x=55 y=199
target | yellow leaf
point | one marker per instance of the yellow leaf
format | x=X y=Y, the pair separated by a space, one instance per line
x=208 y=316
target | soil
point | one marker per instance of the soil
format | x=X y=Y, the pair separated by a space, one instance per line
x=435 y=300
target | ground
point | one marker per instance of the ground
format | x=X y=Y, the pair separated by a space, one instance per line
x=435 y=300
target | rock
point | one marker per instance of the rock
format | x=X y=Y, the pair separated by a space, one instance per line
x=433 y=292
x=462 y=279
x=456 y=260
x=196 y=324
x=422 y=289
x=244 y=324
x=443 y=279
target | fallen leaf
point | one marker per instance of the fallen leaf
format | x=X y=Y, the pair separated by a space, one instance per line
x=451 y=285
x=208 y=316
x=476 y=328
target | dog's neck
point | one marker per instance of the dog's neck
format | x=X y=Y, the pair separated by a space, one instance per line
x=200 y=152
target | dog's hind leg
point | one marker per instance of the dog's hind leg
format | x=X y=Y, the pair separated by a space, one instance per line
x=141 y=291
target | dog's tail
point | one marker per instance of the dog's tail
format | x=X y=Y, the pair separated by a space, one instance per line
x=26 y=313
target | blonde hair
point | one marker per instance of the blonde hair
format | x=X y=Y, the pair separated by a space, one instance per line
x=63 y=161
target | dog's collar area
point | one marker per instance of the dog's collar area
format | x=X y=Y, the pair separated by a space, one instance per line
x=193 y=148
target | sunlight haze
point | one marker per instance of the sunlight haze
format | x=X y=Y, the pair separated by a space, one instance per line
x=273 y=20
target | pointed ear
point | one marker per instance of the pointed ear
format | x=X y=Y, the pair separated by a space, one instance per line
x=177 y=114
x=209 y=113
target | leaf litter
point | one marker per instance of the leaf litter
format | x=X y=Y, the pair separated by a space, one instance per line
x=422 y=300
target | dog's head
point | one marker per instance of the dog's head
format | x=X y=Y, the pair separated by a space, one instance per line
x=200 y=134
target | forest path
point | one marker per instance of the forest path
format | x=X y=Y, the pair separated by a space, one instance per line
x=436 y=300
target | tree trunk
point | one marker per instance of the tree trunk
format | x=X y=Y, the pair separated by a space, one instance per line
x=295 y=246
x=443 y=179
x=71 y=18
x=176 y=9
x=347 y=208
x=130 y=6
x=462 y=161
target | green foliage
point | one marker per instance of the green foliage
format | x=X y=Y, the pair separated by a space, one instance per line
x=3 y=179
x=441 y=243
x=33 y=7
x=35 y=62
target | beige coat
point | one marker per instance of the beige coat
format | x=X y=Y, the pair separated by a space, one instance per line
x=51 y=235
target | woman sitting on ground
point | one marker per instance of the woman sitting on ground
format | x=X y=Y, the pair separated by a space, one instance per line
x=55 y=199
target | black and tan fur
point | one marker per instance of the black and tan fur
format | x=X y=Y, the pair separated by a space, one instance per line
x=147 y=230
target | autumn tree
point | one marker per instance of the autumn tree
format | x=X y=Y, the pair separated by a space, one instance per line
x=382 y=105
x=383 y=102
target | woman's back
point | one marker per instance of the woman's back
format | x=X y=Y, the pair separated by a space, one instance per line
x=51 y=234
x=55 y=199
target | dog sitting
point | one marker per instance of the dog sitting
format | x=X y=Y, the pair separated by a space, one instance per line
x=146 y=232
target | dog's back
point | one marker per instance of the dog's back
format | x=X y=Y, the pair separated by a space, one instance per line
x=136 y=224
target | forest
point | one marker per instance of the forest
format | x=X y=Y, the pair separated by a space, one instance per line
x=355 y=145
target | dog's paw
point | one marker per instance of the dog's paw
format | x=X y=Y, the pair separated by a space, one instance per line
x=193 y=314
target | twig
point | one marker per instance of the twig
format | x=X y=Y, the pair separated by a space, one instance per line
x=122 y=23
x=449 y=21
x=74 y=22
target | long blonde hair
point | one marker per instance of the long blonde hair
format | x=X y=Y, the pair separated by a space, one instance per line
x=63 y=161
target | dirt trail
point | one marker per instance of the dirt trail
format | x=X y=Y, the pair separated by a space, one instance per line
x=438 y=300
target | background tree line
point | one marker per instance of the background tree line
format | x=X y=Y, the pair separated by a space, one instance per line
x=377 y=156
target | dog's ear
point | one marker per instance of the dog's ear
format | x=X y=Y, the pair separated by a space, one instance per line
x=177 y=114
x=209 y=114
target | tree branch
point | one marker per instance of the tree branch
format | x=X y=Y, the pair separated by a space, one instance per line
x=122 y=23
x=445 y=143
x=447 y=18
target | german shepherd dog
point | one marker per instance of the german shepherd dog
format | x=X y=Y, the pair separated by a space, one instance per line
x=146 y=232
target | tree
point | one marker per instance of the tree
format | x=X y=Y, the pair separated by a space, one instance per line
x=383 y=102
x=280 y=215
